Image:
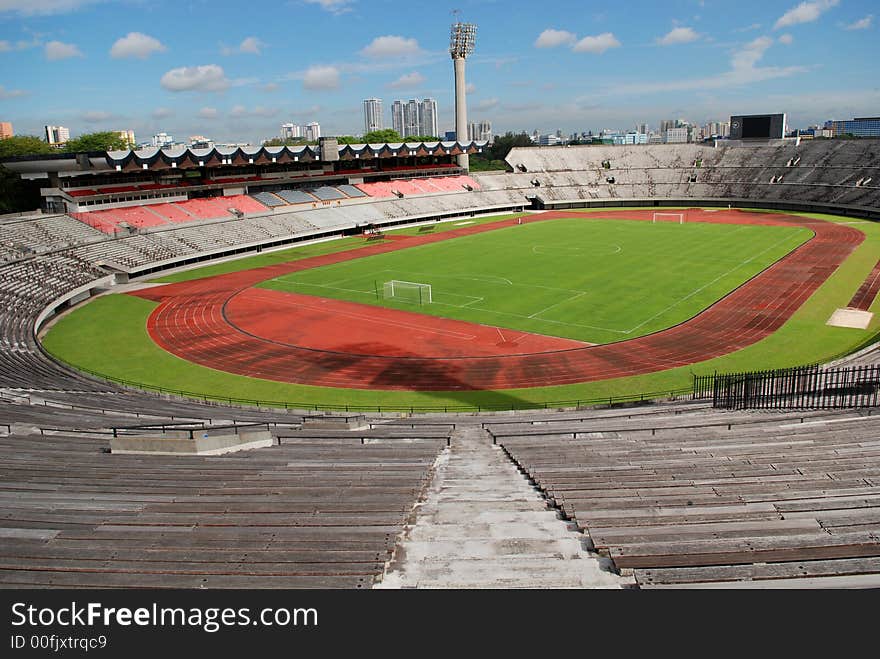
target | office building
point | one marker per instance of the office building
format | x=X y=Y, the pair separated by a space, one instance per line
x=161 y=140
x=677 y=135
x=373 y=115
x=6 y=130
x=858 y=127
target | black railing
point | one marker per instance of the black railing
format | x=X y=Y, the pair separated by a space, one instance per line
x=806 y=387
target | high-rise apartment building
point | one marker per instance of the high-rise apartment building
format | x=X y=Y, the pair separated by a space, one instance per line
x=6 y=130
x=481 y=131
x=291 y=132
x=666 y=124
x=411 y=118
x=428 y=118
x=312 y=131
x=57 y=135
x=415 y=117
x=397 y=117
x=373 y=115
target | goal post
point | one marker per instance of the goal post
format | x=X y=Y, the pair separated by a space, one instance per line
x=678 y=218
x=410 y=292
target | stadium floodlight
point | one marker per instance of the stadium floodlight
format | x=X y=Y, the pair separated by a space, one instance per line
x=462 y=40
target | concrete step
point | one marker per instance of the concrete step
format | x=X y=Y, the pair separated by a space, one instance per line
x=483 y=525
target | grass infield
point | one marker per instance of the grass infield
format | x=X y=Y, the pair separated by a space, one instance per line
x=693 y=257
x=599 y=281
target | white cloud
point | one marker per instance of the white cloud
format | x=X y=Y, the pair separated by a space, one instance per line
x=333 y=6
x=786 y=39
x=206 y=78
x=408 y=80
x=471 y=88
x=743 y=71
x=551 y=38
x=391 y=46
x=57 y=50
x=208 y=113
x=162 y=113
x=250 y=46
x=43 y=7
x=270 y=87
x=5 y=46
x=96 y=116
x=136 y=44
x=321 y=78
x=861 y=24
x=11 y=93
x=678 y=35
x=806 y=12
x=597 y=44
x=751 y=53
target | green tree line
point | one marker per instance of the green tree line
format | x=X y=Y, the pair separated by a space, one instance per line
x=30 y=145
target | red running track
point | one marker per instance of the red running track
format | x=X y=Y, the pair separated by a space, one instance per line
x=864 y=297
x=197 y=321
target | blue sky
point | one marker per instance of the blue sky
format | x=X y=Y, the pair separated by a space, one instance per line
x=236 y=70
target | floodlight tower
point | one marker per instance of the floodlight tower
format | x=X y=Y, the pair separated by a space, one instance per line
x=461 y=44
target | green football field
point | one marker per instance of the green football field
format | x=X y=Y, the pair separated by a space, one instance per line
x=597 y=281
x=117 y=322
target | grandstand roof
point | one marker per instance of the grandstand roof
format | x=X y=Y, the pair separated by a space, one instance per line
x=185 y=157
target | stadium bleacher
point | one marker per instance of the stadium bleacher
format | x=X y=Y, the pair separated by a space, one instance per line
x=666 y=493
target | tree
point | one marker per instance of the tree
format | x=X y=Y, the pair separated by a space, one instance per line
x=298 y=141
x=104 y=141
x=504 y=143
x=382 y=136
x=23 y=145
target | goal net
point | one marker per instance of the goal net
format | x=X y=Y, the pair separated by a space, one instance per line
x=669 y=217
x=407 y=291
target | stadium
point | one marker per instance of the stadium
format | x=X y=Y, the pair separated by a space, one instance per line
x=366 y=366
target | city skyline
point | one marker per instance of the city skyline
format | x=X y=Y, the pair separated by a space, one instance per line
x=584 y=73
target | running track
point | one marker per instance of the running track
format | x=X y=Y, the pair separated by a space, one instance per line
x=222 y=323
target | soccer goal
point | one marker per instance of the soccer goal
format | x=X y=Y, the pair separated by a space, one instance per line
x=668 y=217
x=410 y=292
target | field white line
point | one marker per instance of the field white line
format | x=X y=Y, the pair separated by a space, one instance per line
x=571 y=299
x=334 y=288
x=551 y=248
x=544 y=320
x=488 y=278
x=706 y=285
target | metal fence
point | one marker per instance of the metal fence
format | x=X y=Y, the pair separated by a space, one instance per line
x=806 y=387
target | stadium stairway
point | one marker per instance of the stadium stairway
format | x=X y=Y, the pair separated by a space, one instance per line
x=483 y=525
